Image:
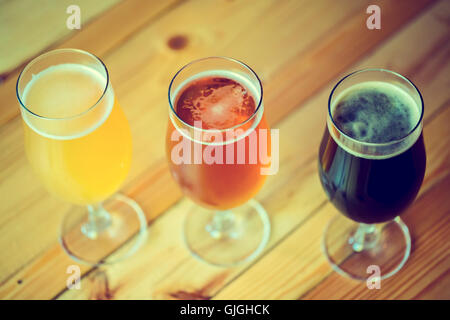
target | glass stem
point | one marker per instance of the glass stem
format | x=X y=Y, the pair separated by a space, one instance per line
x=99 y=220
x=223 y=224
x=365 y=237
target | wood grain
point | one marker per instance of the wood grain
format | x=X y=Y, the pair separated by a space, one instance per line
x=15 y=173
x=184 y=278
x=299 y=49
x=114 y=26
x=131 y=87
x=45 y=24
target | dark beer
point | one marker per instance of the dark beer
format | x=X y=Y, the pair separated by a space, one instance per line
x=371 y=187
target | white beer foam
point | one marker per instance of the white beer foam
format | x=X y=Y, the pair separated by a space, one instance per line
x=108 y=99
x=238 y=77
x=406 y=99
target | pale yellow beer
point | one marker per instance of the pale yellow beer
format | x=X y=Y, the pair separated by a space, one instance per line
x=78 y=141
x=83 y=153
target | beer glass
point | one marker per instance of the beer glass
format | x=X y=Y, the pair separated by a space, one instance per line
x=78 y=142
x=371 y=166
x=225 y=96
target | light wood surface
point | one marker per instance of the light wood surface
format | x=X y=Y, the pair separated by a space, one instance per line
x=299 y=49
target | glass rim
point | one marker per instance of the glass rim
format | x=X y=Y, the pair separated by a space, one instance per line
x=216 y=130
x=57 y=51
x=419 y=121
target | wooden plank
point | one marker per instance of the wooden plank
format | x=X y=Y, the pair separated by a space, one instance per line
x=428 y=264
x=304 y=265
x=296 y=186
x=115 y=26
x=40 y=209
x=139 y=80
x=250 y=283
x=28 y=27
x=142 y=92
x=332 y=55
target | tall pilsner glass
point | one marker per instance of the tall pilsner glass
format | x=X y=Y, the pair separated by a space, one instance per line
x=371 y=165
x=216 y=112
x=78 y=141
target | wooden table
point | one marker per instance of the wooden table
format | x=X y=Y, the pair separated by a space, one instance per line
x=299 y=49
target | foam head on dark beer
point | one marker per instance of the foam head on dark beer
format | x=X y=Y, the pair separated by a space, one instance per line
x=375 y=112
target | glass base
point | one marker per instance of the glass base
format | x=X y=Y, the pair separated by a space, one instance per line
x=227 y=238
x=386 y=246
x=125 y=227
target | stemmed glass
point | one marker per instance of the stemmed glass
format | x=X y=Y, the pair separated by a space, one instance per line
x=227 y=226
x=78 y=142
x=370 y=183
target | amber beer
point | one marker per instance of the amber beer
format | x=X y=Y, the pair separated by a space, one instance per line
x=219 y=152
x=224 y=102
